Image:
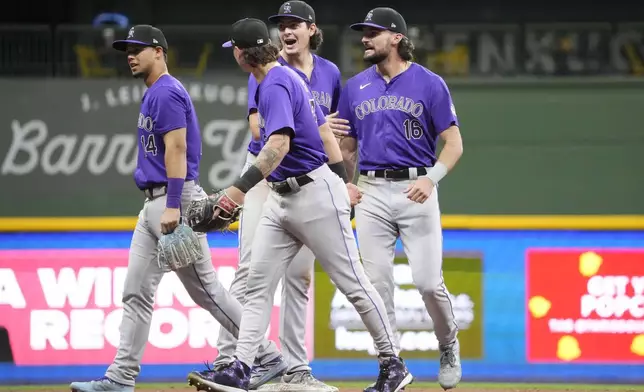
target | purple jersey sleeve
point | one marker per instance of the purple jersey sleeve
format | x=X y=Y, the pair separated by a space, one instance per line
x=337 y=90
x=277 y=109
x=168 y=111
x=345 y=112
x=319 y=115
x=442 y=108
x=252 y=90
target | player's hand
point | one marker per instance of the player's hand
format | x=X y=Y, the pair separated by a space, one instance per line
x=235 y=195
x=420 y=190
x=339 y=126
x=170 y=220
x=355 y=196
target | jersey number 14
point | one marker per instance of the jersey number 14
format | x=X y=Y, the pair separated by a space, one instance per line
x=149 y=145
x=413 y=129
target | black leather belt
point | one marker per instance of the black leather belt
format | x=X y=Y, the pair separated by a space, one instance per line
x=283 y=187
x=154 y=192
x=401 y=174
x=161 y=189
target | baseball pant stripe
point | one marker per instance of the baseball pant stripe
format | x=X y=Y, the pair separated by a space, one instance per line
x=194 y=268
x=355 y=274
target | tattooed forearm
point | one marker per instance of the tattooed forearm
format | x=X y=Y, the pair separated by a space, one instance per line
x=272 y=153
x=349 y=148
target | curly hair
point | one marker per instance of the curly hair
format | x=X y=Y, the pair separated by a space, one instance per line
x=261 y=55
x=406 y=49
x=316 y=39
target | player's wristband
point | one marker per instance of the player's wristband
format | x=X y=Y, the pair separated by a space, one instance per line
x=339 y=169
x=173 y=197
x=437 y=172
x=249 y=179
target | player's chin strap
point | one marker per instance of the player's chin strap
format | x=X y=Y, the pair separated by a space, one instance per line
x=437 y=172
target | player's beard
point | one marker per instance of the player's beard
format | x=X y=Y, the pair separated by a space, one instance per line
x=376 y=58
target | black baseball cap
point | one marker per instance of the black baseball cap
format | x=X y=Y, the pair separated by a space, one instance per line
x=383 y=18
x=294 y=9
x=248 y=33
x=145 y=35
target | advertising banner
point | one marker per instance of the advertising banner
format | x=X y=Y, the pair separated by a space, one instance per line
x=75 y=140
x=340 y=332
x=585 y=306
x=542 y=305
x=63 y=307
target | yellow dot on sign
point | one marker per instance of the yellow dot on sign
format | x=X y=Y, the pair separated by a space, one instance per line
x=589 y=263
x=568 y=348
x=539 y=306
x=637 y=347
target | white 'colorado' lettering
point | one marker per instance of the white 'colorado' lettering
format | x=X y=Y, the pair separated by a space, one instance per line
x=322 y=98
x=389 y=102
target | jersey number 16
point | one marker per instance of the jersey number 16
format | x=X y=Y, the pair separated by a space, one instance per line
x=413 y=129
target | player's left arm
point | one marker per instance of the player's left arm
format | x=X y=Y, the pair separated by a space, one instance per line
x=452 y=149
x=339 y=125
x=443 y=117
x=331 y=146
x=253 y=116
x=280 y=128
x=349 y=141
x=337 y=91
x=170 y=121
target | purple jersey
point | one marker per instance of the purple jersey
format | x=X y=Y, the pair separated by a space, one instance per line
x=286 y=101
x=397 y=123
x=325 y=85
x=165 y=106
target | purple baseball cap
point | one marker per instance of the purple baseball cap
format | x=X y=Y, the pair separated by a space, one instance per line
x=145 y=35
x=383 y=18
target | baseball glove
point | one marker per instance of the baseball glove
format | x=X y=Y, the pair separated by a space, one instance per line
x=213 y=213
x=178 y=249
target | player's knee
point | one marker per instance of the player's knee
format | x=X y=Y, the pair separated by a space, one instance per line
x=257 y=288
x=357 y=297
x=377 y=273
x=299 y=273
x=429 y=288
x=143 y=301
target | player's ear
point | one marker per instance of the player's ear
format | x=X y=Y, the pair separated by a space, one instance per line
x=312 y=29
x=159 y=52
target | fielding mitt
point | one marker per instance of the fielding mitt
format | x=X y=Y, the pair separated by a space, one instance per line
x=178 y=249
x=213 y=213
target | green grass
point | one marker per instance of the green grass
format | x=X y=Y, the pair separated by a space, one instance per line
x=362 y=384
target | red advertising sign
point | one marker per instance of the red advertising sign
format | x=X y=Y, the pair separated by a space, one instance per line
x=585 y=306
x=63 y=307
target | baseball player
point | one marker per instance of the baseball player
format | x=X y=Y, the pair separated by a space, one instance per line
x=167 y=172
x=397 y=110
x=309 y=204
x=298 y=36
